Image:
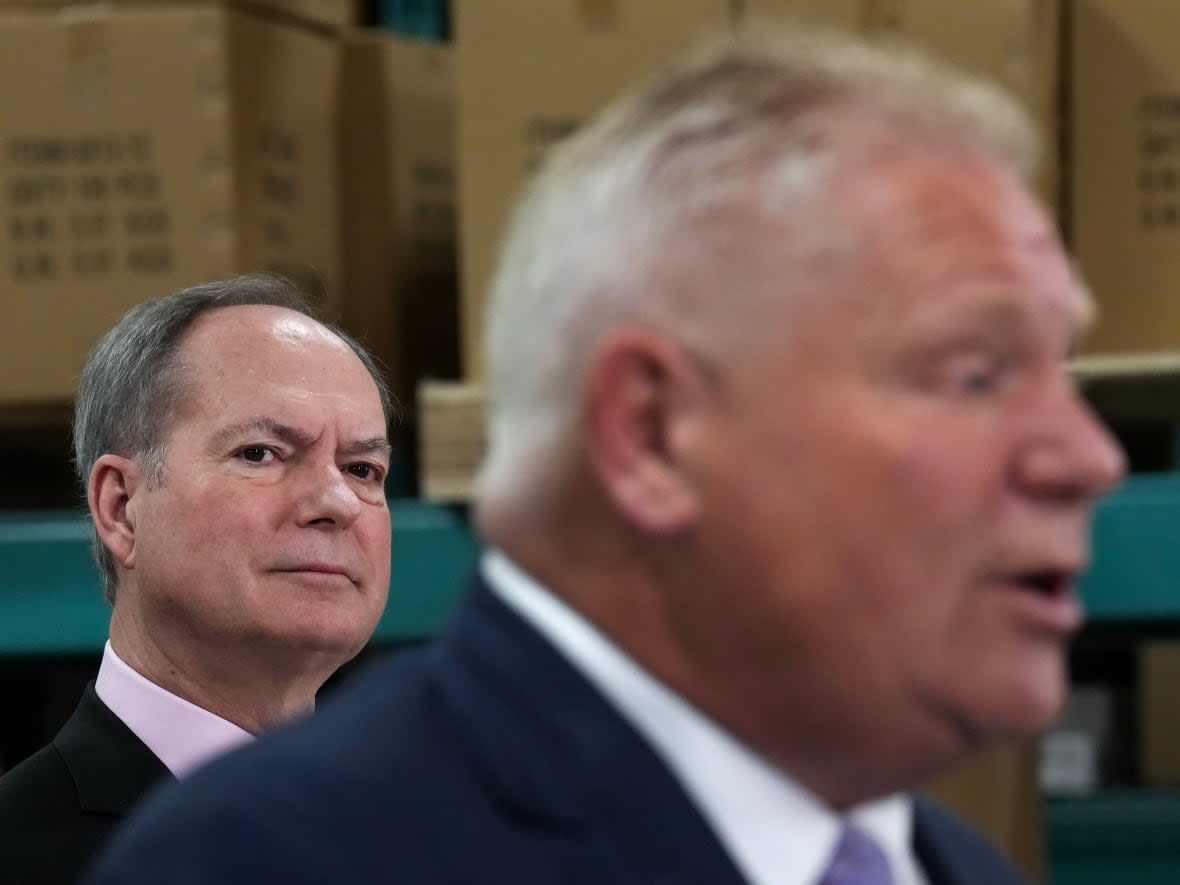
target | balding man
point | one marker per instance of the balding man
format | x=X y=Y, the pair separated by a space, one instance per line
x=233 y=451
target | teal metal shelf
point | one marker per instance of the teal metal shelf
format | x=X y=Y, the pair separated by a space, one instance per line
x=1115 y=837
x=1135 y=574
x=51 y=602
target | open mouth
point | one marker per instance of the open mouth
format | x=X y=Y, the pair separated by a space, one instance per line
x=1046 y=598
x=1048 y=583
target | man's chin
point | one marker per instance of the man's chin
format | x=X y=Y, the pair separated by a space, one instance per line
x=1023 y=710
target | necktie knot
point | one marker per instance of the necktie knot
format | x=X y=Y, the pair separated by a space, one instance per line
x=857 y=860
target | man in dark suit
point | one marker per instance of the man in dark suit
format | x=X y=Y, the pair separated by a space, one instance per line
x=787 y=493
x=243 y=536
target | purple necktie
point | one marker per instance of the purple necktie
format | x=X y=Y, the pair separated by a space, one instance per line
x=858 y=860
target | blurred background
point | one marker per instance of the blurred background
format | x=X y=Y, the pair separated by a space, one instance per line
x=371 y=150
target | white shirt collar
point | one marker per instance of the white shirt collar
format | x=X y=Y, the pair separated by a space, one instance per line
x=776 y=832
x=180 y=734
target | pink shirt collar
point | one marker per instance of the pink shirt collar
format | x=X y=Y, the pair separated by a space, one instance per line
x=181 y=734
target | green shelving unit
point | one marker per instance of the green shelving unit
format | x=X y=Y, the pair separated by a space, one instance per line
x=1135 y=574
x=1130 y=837
x=50 y=602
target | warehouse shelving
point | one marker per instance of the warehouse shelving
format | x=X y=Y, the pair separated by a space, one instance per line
x=50 y=601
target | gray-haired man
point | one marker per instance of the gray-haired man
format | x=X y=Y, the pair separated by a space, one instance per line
x=233 y=451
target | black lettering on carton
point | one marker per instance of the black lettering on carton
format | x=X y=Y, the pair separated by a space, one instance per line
x=33 y=266
x=47 y=151
x=92 y=263
x=278 y=145
x=34 y=228
x=150 y=259
x=93 y=188
x=1161 y=105
x=140 y=184
x=89 y=224
x=147 y=222
x=280 y=188
x=36 y=190
x=1158 y=143
x=88 y=150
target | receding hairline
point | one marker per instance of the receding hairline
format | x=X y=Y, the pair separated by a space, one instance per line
x=184 y=364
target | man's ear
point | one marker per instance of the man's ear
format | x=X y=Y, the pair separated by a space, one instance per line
x=110 y=492
x=641 y=391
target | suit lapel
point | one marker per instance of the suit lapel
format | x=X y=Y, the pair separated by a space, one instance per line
x=110 y=766
x=951 y=854
x=554 y=752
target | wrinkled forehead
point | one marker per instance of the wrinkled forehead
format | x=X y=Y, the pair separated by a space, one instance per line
x=245 y=350
x=934 y=222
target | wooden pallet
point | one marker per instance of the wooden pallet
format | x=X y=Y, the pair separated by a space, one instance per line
x=453 y=439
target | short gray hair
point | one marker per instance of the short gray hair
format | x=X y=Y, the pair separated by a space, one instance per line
x=134 y=384
x=621 y=219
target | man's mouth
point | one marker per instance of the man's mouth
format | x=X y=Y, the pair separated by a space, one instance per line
x=1050 y=582
x=1044 y=598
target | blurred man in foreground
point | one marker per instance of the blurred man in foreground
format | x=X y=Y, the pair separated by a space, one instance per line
x=233 y=451
x=787 y=496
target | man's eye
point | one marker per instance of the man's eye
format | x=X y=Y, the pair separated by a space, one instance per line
x=257 y=454
x=976 y=381
x=975 y=375
x=367 y=472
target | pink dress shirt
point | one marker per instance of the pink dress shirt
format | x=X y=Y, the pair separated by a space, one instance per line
x=181 y=734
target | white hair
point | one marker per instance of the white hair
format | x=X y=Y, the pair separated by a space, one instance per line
x=624 y=222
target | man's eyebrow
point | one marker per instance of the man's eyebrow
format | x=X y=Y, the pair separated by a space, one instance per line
x=377 y=445
x=265 y=426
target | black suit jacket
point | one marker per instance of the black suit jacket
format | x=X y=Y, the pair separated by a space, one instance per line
x=484 y=758
x=59 y=806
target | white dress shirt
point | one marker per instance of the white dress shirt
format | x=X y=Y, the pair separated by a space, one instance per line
x=180 y=734
x=775 y=831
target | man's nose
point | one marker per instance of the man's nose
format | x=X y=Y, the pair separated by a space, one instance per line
x=1074 y=457
x=326 y=497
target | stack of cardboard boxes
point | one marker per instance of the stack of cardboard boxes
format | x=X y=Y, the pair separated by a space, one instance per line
x=146 y=147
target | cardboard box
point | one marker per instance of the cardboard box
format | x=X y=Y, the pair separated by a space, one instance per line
x=398 y=186
x=1124 y=150
x=131 y=168
x=286 y=84
x=119 y=186
x=1013 y=43
x=997 y=793
x=527 y=73
x=1159 y=714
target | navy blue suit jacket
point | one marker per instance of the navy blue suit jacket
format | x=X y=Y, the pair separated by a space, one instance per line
x=483 y=758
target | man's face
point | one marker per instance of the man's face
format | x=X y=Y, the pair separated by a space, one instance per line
x=898 y=492
x=268 y=530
